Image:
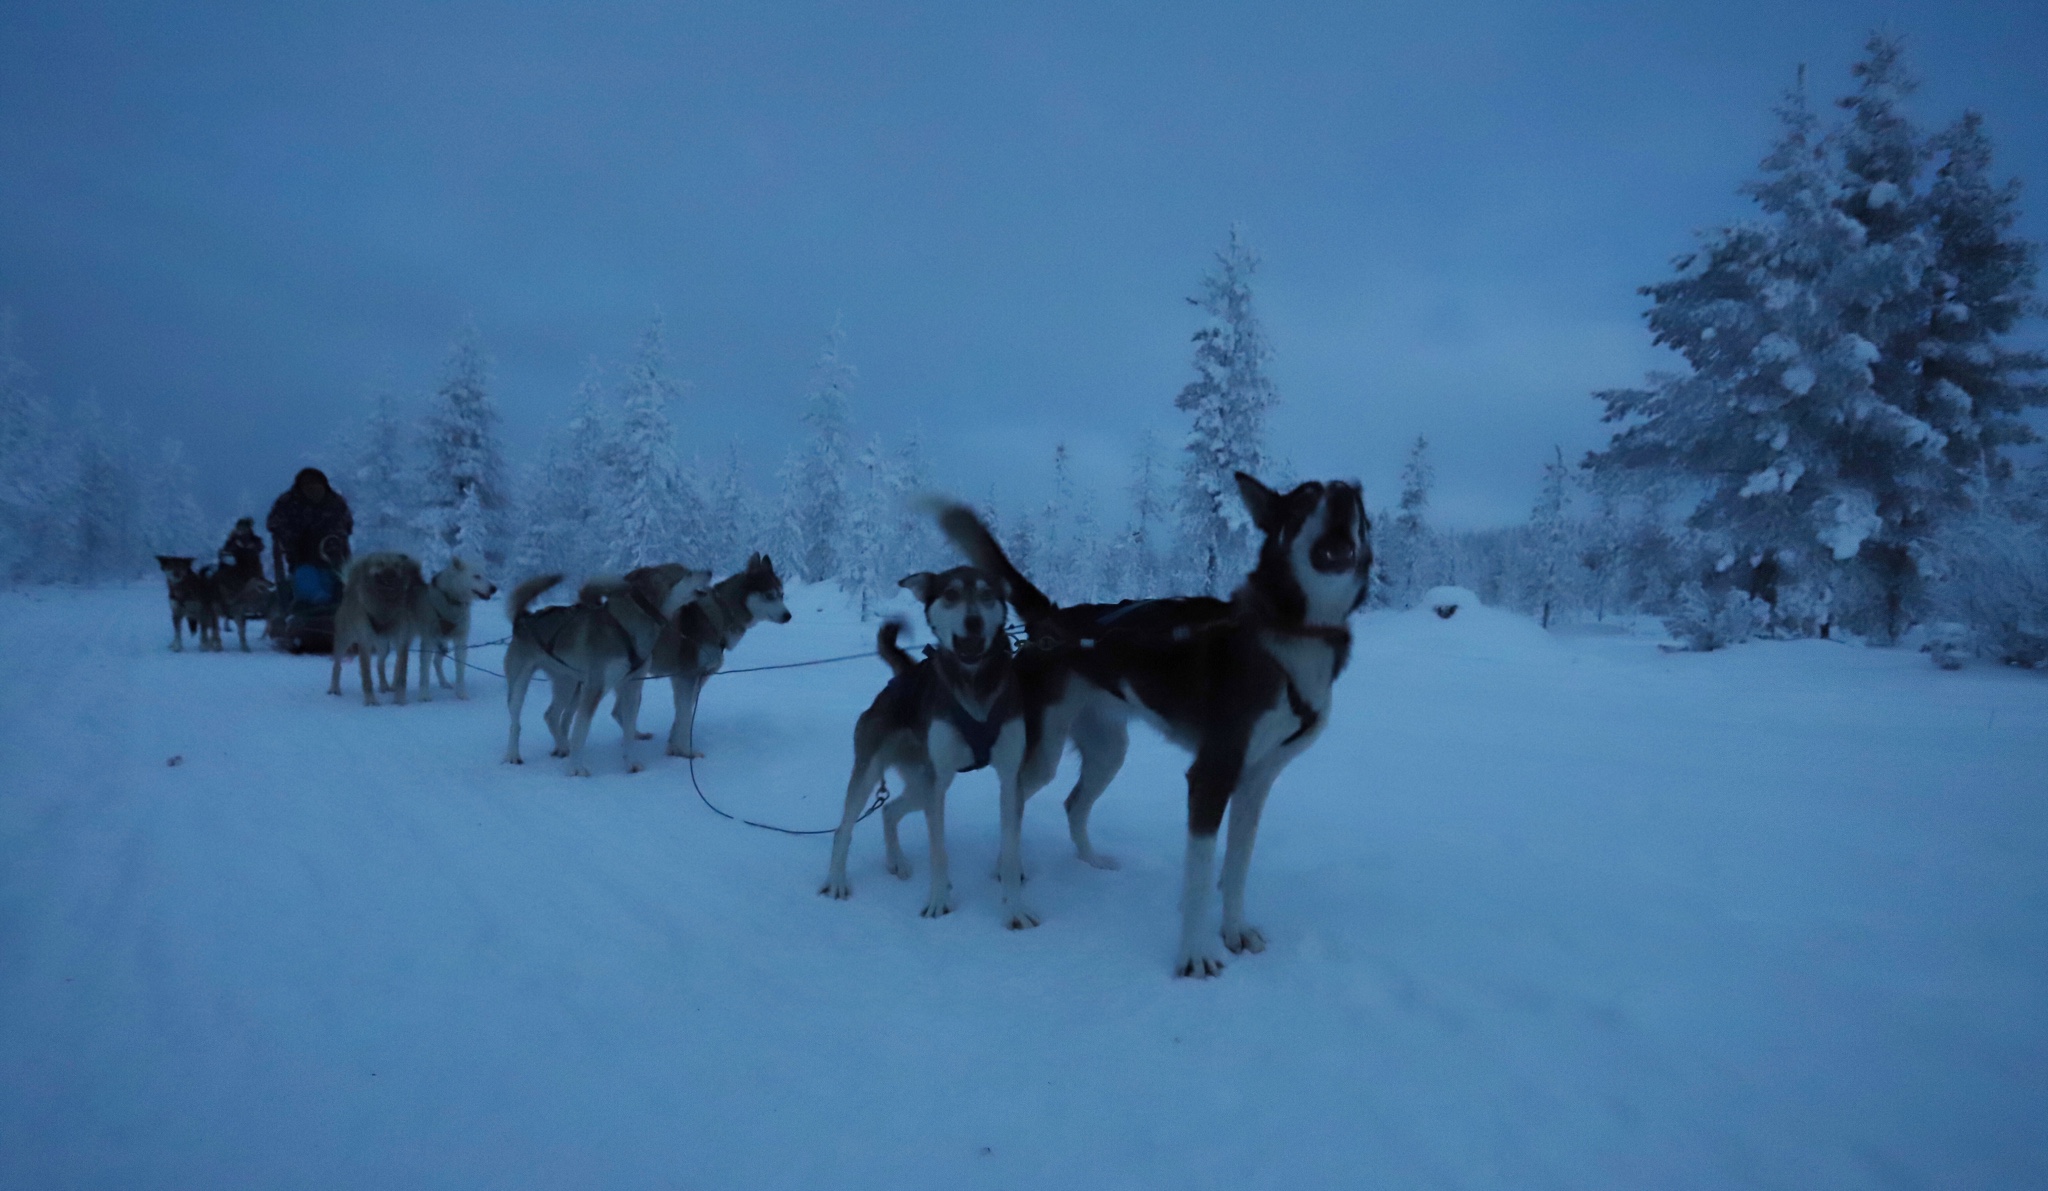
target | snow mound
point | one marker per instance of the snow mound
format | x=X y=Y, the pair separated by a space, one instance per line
x=1445 y=601
x=1472 y=631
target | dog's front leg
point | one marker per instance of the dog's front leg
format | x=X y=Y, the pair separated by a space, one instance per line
x=426 y=671
x=1008 y=758
x=461 y=666
x=626 y=710
x=940 y=903
x=682 y=735
x=398 y=670
x=867 y=770
x=242 y=631
x=334 y=680
x=515 y=702
x=177 y=632
x=1245 y=808
x=369 y=683
x=1211 y=780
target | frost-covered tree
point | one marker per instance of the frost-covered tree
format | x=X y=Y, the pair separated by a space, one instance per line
x=1992 y=589
x=1142 y=569
x=660 y=515
x=1404 y=548
x=1228 y=402
x=867 y=561
x=918 y=546
x=1550 y=541
x=732 y=521
x=463 y=498
x=101 y=501
x=382 y=483
x=814 y=478
x=172 y=522
x=573 y=524
x=32 y=537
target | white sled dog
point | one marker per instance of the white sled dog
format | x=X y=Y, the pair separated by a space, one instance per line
x=694 y=647
x=444 y=625
x=956 y=710
x=1244 y=686
x=378 y=618
x=601 y=643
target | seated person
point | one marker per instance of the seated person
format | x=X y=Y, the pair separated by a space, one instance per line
x=309 y=530
x=241 y=556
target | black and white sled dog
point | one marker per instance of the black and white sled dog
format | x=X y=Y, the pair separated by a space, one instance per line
x=195 y=602
x=600 y=644
x=701 y=633
x=958 y=709
x=444 y=625
x=1245 y=685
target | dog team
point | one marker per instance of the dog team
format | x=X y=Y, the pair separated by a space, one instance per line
x=1244 y=684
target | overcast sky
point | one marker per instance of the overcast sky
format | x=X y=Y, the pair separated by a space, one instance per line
x=231 y=223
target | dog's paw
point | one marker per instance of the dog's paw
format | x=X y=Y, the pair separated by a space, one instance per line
x=1244 y=939
x=635 y=767
x=579 y=771
x=1198 y=967
x=558 y=751
x=898 y=867
x=836 y=888
x=643 y=736
x=1101 y=860
x=515 y=759
x=940 y=905
x=676 y=750
x=1021 y=918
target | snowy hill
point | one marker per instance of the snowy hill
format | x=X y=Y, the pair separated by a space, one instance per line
x=1544 y=911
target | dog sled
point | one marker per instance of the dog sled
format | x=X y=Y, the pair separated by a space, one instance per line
x=306 y=603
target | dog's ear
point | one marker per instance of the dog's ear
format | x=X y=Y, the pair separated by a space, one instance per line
x=1267 y=507
x=924 y=585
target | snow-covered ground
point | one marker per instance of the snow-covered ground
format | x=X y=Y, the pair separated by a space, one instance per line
x=1545 y=911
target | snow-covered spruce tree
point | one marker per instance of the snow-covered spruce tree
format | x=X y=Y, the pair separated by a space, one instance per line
x=1992 y=589
x=1403 y=548
x=33 y=539
x=572 y=524
x=101 y=503
x=732 y=518
x=1550 y=545
x=915 y=541
x=171 y=520
x=1145 y=563
x=660 y=515
x=867 y=564
x=1228 y=401
x=463 y=501
x=814 y=478
x=381 y=483
x=1779 y=424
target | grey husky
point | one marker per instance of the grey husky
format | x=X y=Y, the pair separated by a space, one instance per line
x=695 y=644
x=444 y=625
x=1245 y=685
x=378 y=617
x=958 y=709
x=601 y=643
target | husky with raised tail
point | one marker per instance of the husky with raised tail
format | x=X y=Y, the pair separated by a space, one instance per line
x=601 y=643
x=1245 y=685
x=958 y=709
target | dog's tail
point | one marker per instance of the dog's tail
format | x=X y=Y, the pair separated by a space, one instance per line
x=963 y=527
x=529 y=591
x=900 y=663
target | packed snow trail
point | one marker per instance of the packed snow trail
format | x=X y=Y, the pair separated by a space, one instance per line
x=1544 y=911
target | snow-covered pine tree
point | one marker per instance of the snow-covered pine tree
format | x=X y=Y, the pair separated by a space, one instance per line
x=463 y=500
x=1778 y=423
x=381 y=481
x=867 y=565
x=814 y=478
x=171 y=520
x=102 y=503
x=660 y=515
x=732 y=520
x=1143 y=571
x=1971 y=384
x=573 y=522
x=32 y=540
x=1404 y=549
x=1228 y=401
x=1550 y=541
x=916 y=542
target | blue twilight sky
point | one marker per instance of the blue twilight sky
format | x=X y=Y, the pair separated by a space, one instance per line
x=230 y=222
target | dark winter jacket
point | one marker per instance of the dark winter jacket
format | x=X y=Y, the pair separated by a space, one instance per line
x=300 y=526
x=241 y=556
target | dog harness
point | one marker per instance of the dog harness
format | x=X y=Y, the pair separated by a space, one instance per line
x=979 y=734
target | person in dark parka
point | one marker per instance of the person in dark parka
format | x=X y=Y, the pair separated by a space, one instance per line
x=309 y=527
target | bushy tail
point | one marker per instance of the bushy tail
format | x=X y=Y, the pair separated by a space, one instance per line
x=900 y=663
x=528 y=591
x=964 y=528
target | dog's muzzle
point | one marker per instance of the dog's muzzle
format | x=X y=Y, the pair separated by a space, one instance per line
x=1333 y=556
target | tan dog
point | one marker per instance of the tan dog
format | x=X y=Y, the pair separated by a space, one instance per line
x=444 y=625
x=379 y=615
